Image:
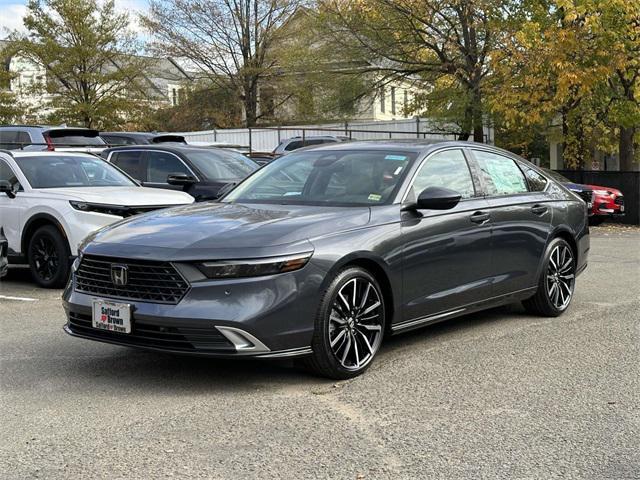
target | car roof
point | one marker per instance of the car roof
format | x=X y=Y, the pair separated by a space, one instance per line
x=168 y=147
x=36 y=153
x=412 y=145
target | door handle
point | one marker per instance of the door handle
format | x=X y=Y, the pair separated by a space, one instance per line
x=539 y=209
x=479 y=217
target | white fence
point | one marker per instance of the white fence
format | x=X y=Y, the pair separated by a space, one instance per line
x=267 y=138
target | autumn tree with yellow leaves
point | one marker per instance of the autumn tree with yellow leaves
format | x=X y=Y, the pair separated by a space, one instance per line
x=575 y=64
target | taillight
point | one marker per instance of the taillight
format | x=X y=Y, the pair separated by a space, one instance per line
x=50 y=146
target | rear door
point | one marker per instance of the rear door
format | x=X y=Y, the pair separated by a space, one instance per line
x=520 y=212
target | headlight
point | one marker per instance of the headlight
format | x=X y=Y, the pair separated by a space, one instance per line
x=254 y=267
x=117 y=210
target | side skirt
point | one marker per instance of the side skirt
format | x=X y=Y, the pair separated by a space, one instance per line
x=463 y=310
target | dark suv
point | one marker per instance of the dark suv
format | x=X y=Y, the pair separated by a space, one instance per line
x=34 y=137
x=201 y=172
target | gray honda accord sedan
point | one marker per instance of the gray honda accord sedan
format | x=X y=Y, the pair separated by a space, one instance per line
x=322 y=253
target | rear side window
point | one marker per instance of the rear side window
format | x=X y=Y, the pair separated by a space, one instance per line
x=70 y=138
x=299 y=143
x=537 y=182
x=501 y=174
x=130 y=162
x=114 y=140
x=14 y=139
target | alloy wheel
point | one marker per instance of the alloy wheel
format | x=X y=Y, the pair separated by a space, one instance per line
x=356 y=319
x=45 y=258
x=560 y=276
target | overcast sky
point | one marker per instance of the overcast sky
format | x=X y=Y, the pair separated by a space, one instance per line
x=12 y=11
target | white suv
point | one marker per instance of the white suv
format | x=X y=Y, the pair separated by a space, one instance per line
x=50 y=201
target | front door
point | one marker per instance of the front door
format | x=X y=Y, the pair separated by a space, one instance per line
x=447 y=253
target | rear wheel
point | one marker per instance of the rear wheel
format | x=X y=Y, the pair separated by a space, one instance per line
x=48 y=255
x=557 y=281
x=349 y=325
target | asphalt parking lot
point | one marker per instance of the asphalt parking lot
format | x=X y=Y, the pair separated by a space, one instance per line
x=499 y=394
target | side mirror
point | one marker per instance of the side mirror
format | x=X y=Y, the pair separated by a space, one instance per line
x=437 y=198
x=180 y=179
x=9 y=189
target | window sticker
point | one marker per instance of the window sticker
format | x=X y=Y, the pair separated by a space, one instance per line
x=374 y=197
x=396 y=157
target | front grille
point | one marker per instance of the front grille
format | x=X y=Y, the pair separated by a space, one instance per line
x=148 y=281
x=146 y=335
x=586 y=195
x=619 y=201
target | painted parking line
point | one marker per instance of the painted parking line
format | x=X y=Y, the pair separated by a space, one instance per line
x=20 y=299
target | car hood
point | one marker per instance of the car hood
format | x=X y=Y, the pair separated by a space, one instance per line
x=127 y=196
x=224 y=230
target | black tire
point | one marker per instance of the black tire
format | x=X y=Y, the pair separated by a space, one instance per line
x=559 y=270
x=336 y=328
x=596 y=220
x=49 y=257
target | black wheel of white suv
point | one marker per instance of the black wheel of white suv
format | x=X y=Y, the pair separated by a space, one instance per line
x=48 y=254
x=349 y=325
x=557 y=281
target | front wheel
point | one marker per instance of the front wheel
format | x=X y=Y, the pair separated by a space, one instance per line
x=349 y=325
x=557 y=281
x=48 y=255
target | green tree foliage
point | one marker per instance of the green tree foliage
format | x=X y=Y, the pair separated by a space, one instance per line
x=11 y=111
x=574 y=64
x=88 y=53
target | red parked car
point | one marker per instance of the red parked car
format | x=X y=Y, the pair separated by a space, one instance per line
x=607 y=202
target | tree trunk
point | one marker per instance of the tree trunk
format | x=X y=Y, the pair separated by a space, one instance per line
x=250 y=101
x=467 y=123
x=626 y=150
x=476 y=105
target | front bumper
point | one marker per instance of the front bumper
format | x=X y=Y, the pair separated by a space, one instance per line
x=266 y=317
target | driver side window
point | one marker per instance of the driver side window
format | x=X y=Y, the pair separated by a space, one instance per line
x=446 y=169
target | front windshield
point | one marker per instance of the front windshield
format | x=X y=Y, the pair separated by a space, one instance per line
x=222 y=165
x=62 y=171
x=327 y=178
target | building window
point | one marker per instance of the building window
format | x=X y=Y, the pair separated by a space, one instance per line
x=174 y=97
x=393 y=100
x=383 y=100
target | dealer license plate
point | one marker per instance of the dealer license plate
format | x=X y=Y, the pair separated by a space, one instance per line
x=111 y=316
